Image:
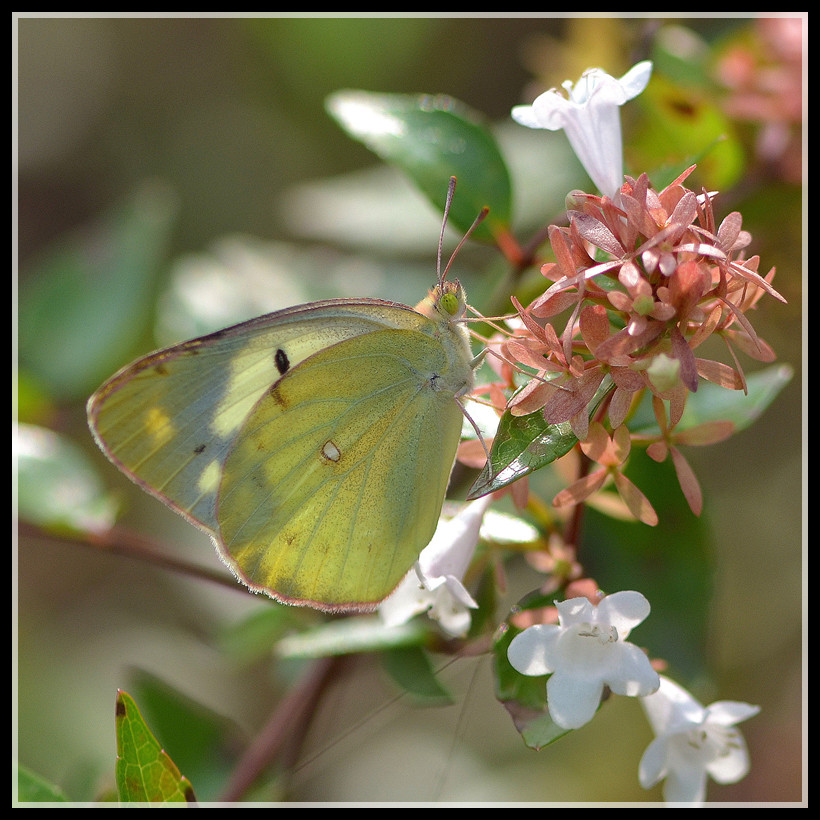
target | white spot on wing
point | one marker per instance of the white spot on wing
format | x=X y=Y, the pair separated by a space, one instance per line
x=331 y=452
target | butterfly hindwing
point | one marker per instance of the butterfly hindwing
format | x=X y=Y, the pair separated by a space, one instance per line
x=336 y=481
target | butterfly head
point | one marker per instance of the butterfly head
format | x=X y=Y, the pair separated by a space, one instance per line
x=447 y=301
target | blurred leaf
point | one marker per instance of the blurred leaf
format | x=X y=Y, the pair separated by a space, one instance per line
x=85 y=303
x=203 y=741
x=683 y=125
x=254 y=636
x=32 y=403
x=714 y=403
x=57 y=486
x=543 y=169
x=144 y=772
x=313 y=54
x=523 y=696
x=342 y=637
x=432 y=138
x=31 y=788
x=376 y=211
x=522 y=445
x=681 y=55
x=672 y=564
x=411 y=669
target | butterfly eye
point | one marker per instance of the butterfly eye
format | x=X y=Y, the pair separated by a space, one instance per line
x=449 y=303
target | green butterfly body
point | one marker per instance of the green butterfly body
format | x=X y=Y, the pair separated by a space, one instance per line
x=313 y=444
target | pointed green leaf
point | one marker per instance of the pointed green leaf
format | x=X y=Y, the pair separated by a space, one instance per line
x=432 y=138
x=522 y=445
x=145 y=773
x=203 y=740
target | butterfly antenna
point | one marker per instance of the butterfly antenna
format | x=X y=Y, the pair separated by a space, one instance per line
x=451 y=188
x=441 y=276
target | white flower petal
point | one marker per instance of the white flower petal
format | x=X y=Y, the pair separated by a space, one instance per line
x=685 y=784
x=529 y=652
x=572 y=702
x=525 y=115
x=636 y=79
x=452 y=616
x=670 y=707
x=434 y=584
x=409 y=599
x=623 y=610
x=575 y=610
x=453 y=544
x=653 y=766
x=589 y=115
x=458 y=592
x=692 y=742
x=730 y=712
x=731 y=767
x=633 y=675
x=584 y=652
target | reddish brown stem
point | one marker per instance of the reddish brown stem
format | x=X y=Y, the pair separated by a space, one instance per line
x=285 y=730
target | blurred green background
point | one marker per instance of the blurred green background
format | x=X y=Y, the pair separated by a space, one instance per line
x=178 y=167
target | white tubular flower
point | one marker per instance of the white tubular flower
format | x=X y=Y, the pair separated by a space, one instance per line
x=434 y=585
x=589 y=115
x=692 y=742
x=584 y=652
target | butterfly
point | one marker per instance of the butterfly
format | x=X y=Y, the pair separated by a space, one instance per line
x=314 y=444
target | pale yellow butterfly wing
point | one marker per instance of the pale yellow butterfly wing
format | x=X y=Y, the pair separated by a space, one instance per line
x=336 y=481
x=207 y=427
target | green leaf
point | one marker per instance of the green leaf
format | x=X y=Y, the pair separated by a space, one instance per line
x=57 y=486
x=538 y=729
x=203 y=740
x=523 y=696
x=432 y=138
x=685 y=123
x=84 y=304
x=253 y=636
x=522 y=445
x=31 y=788
x=343 y=637
x=714 y=403
x=411 y=669
x=673 y=563
x=144 y=771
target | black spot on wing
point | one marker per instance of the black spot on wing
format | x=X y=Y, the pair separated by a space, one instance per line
x=282 y=361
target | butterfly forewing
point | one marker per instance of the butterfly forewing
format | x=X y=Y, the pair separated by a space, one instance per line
x=169 y=419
